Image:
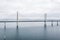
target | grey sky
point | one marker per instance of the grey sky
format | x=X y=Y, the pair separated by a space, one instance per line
x=29 y=7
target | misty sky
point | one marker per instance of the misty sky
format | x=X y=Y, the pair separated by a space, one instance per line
x=31 y=8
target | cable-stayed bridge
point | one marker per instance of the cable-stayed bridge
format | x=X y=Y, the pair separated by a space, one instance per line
x=45 y=20
x=17 y=21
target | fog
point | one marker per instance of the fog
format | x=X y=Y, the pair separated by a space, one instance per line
x=29 y=8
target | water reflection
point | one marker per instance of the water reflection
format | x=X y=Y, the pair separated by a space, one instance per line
x=18 y=37
x=32 y=33
x=17 y=34
x=45 y=32
x=4 y=35
x=4 y=31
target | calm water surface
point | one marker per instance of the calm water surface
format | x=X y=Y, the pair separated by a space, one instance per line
x=29 y=31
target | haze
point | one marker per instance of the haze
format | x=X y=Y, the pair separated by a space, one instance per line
x=29 y=8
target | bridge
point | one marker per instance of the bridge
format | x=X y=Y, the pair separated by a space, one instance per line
x=17 y=21
x=34 y=21
x=45 y=20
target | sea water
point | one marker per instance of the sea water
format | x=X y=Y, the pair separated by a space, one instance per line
x=30 y=31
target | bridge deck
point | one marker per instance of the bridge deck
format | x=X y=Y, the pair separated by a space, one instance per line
x=34 y=21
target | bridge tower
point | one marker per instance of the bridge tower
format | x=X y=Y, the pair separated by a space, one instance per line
x=17 y=19
x=45 y=17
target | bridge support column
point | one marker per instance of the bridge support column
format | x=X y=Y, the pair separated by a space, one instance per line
x=45 y=16
x=17 y=26
x=57 y=22
x=52 y=23
x=17 y=20
x=45 y=24
x=5 y=26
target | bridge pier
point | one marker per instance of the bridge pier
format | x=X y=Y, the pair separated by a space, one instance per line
x=45 y=24
x=17 y=26
x=45 y=16
x=57 y=22
x=4 y=25
x=51 y=23
x=17 y=20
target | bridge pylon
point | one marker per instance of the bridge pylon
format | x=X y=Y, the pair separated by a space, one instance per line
x=17 y=19
x=45 y=19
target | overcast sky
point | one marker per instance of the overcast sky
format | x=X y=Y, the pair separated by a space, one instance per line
x=9 y=8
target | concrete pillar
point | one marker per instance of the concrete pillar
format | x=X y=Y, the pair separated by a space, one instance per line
x=17 y=20
x=4 y=25
x=52 y=23
x=45 y=16
x=57 y=22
